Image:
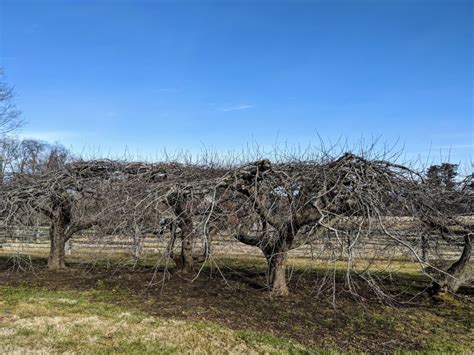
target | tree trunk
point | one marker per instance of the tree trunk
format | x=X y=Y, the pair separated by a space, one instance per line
x=137 y=247
x=457 y=272
x=185 y=260
x=276 y=256
x=277 y=275
x=459 y=269
x=424 y=248
x=57 y=246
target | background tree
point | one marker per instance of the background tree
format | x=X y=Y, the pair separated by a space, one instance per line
x=443 y=176
x=9 y=114
x=9 y=120
x=441 y=179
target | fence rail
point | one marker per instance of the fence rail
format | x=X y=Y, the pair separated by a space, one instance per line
x=36 y=240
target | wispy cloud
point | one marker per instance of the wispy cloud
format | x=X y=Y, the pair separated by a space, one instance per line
x=50 y=136
x=236 y=108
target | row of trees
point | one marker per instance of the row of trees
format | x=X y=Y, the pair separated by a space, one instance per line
x=274 y=205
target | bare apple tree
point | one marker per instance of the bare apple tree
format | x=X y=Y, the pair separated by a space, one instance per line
x=68 y=200
x=346 y=201
x=343 y=201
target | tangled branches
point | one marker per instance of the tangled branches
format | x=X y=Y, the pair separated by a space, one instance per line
x=340 y=202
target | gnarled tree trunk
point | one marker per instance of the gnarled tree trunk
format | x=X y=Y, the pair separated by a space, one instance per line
x=276 y=255
x=185 y=260
x=277 y=274
x=187 y=253
x=60 y=219
x=56 y=259
x=457 y=272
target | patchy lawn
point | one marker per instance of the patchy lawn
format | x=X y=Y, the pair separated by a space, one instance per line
x=108 y=309
x=39 y=320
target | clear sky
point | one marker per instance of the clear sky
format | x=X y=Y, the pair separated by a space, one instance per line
x=146 y=75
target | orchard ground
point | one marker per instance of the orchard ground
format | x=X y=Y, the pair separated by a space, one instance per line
x=111 y=306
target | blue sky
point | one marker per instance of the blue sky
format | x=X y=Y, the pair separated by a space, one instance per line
x=145 y=75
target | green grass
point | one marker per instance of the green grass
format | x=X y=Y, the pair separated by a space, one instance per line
x=39 y=320
x=105 y=316
x=307 y=264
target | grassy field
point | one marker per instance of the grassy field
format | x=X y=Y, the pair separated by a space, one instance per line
x=94 y=310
